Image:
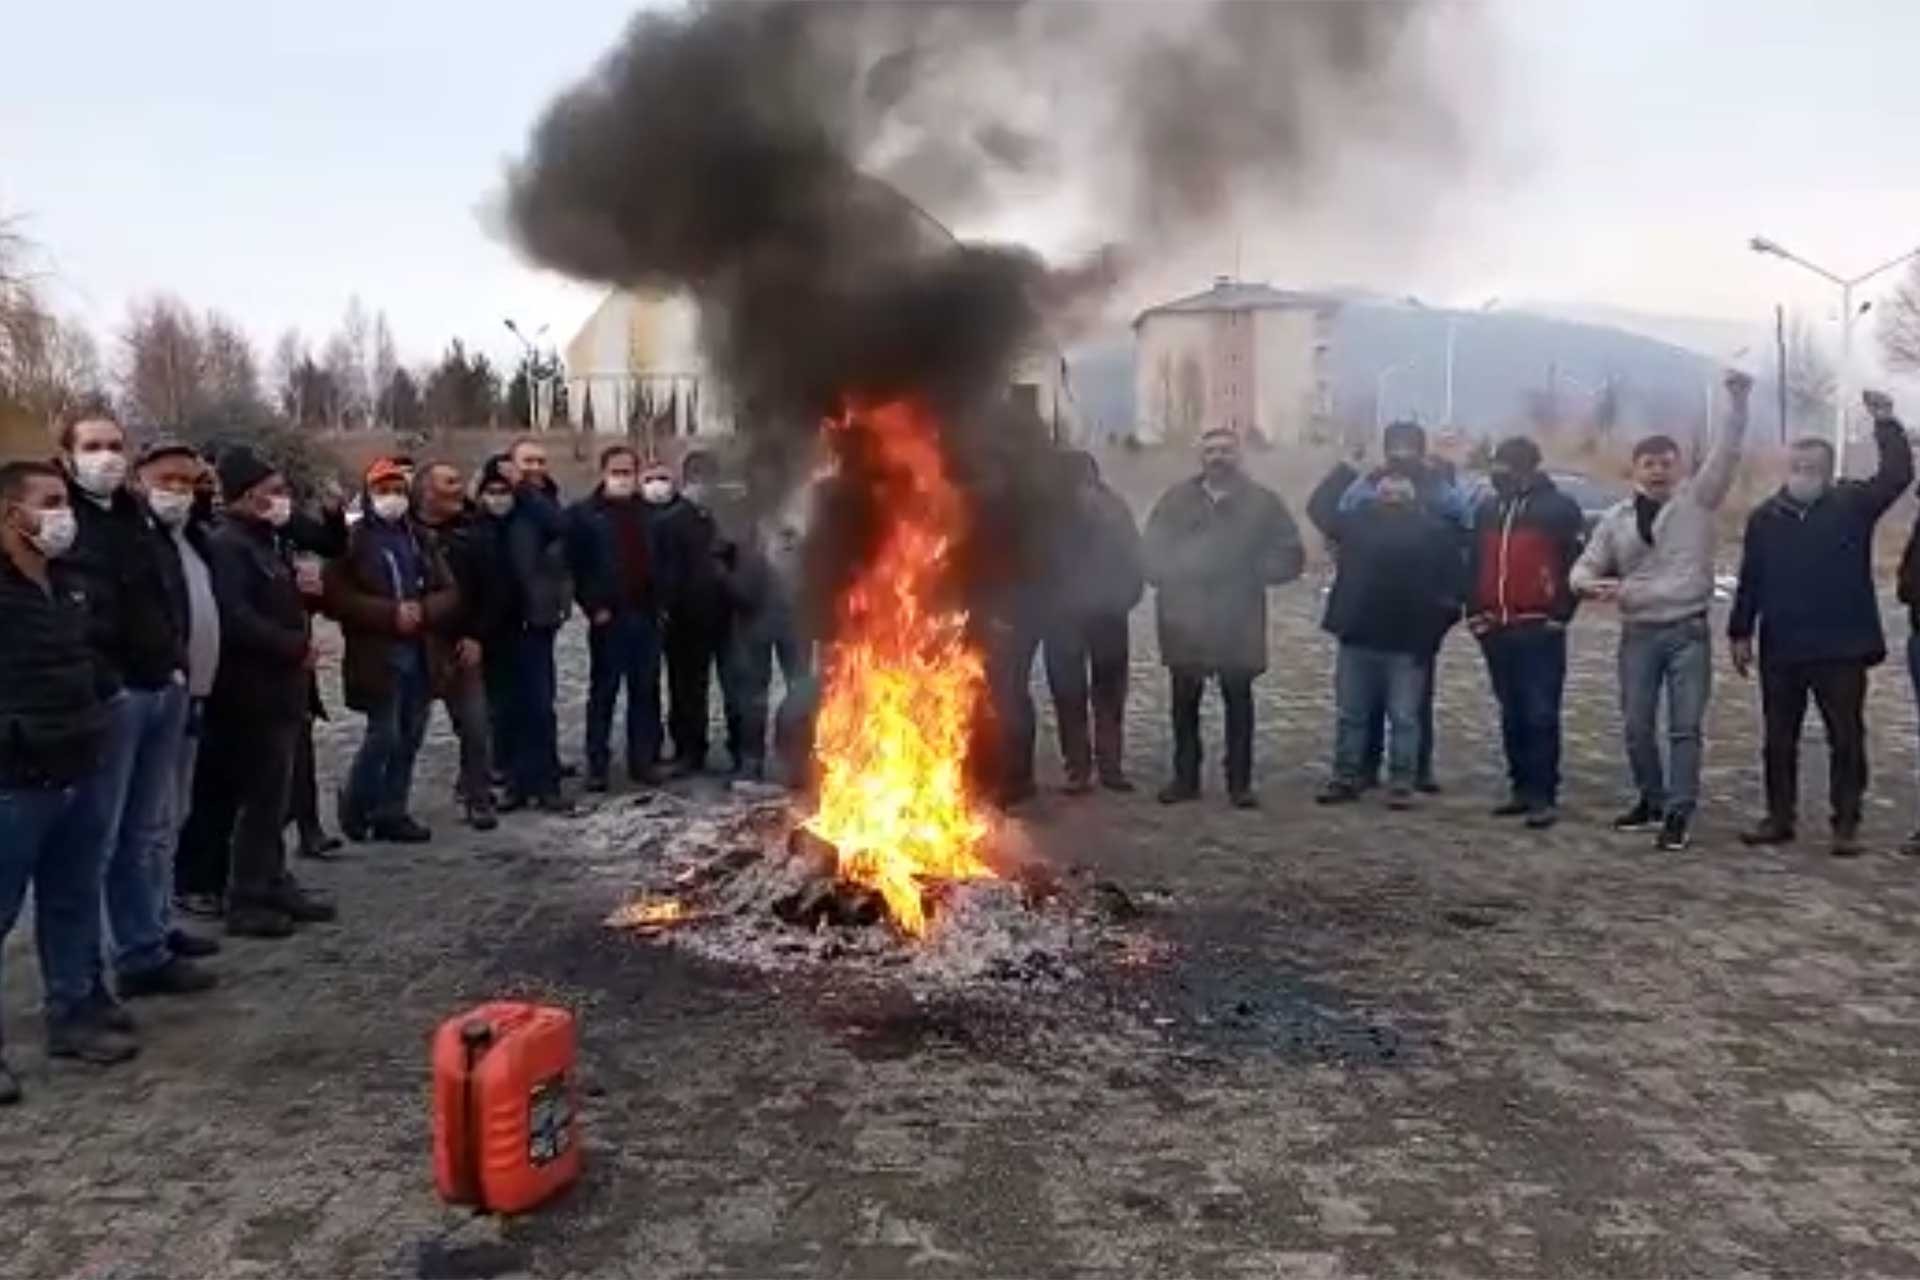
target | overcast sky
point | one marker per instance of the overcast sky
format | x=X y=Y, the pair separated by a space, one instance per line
x=270 y=160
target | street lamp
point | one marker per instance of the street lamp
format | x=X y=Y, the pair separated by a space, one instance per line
x=1380 y=391
x=536 y=381
x=1848 y=314
x=1453 y=333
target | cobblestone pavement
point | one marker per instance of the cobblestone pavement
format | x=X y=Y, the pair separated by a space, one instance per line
x=1356 y=1042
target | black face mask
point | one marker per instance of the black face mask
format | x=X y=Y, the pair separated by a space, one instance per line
x=1507 y=484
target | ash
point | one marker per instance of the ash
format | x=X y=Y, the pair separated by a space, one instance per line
x=719 y=870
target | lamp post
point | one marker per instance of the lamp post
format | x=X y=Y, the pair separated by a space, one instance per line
x=1848 y=314
x=535 y=380
x=1380 y=381
x=1453 y=333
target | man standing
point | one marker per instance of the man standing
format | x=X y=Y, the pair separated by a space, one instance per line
x=1213 y=546
x=260 y=697
x=1098 y=575
x=1396 y=590
x=54 y=719
x=134 y=594
x=461 y=537
x=1652 y=555
x=615 y=564
x=1526 y=537
x=1806 y=587
x=764 y=588
x=694 y=554
x=536 y=561
x=499 y=643
x=389 y=593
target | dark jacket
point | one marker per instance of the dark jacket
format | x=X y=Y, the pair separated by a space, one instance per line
x=1399 y=579
x=694 y=562
x=594 y=554
x=542 y=589
x=1806 y=573
x=263 y=622
x=1096 y=561
x=470 y=546
x=1210 y=564
x=1524 y=546
x=360 y=595
x=136 y=595
x=53 y=690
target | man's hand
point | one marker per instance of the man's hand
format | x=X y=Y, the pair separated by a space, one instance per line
x=1738 y=385
x=1878 y=403
x=1603 y=589
x=601 y=617
x=467 y=653
x=1743 y=656
x=407 y=617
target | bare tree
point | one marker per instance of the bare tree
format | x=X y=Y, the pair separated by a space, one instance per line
x=165 y=361
x=1811 y=380
x=344 y=360
x=283 y=375
x=385 y=365
x=232 y=374
x=1900 y=323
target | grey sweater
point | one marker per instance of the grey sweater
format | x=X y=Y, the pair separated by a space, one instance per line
x=1673 y=578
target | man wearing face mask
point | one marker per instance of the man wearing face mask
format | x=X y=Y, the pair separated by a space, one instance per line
x=1807 y=591
x=543 y=591
x=53 y=731
x=139 y=636
x=615 y=563
x=259 y=701
x=1213 y=546
x=494 y=495
x=695 y=561
x=1652 y=555
x=389 y=592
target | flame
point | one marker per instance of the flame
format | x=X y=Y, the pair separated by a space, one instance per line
x=902 y=686
x=648 y=913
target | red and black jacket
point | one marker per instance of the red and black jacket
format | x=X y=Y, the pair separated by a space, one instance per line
x=1524 y=545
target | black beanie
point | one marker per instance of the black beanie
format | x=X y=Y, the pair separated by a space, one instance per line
x=240 y=470
x=493 y=471
x=1411 y=433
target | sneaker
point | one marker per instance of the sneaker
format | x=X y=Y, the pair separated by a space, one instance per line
x=1400 y=798
x=1540 y=817
x=89 y=1041
x=1676 y=832
x=1771 y=831
x=1243 y=800
x=1117 y=782
x=259 y=921
x=1178 y=793
x=1513 y=807
x=1846 y=841
x=9 y=1085
x=1642 y=817
x=177 y=977
x=302 y=906
x=1337 y=791
x=191 y=945
x=401 y=830
x=204 y=906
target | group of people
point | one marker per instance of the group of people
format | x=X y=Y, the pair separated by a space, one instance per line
x=157 y=686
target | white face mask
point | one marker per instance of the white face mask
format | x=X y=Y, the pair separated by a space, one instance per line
x=169 y=508
x=696 y=493
x=100 y=472
x=55 y=531
x=657 y=492
x=390 y=506
x=496 y=505
x=279 y=510
x=618 y=486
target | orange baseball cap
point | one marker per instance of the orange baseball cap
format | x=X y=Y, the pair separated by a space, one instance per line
x=385 y=469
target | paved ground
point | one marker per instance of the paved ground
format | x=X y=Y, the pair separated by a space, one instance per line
x=1369 y=1043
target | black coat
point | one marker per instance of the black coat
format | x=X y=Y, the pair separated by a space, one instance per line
x=1096 y=562
x=470 y=545
x=593 y=553
x=1210 y=564
x=542 y=588
x=263 y=623
x=136 y=590
x=53 y=690
x=1806 y=573
x=694 y=562
x=1398 y=580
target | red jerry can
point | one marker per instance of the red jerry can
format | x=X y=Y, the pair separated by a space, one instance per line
x=506 y=1133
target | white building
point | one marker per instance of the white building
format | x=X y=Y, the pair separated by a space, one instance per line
x=1240 y=355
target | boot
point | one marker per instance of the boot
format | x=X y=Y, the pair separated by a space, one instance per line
x=401 y=830
x=85 y=1040
x=300 y=906
x=191 y=945
x=177 y=977
x=258 y=920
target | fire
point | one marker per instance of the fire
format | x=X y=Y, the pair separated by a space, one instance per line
x=648 y=913
x=902 y=686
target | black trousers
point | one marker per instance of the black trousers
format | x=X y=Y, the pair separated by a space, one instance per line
x=1010 y=653
x=1087 y=664
x=695 y=649
x=303 y=800
x=1840 y=690
x=233 y=843
x=1236 y=691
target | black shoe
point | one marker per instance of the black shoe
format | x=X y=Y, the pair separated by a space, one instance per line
x=1178 y=793
x=1078 y=784
x=1513 y=807
x=1116 y=782
x=9 y=1085
x=1642 y=817
x=1846 y=841
x=109 y=1013
x=481 y=817
x=597 y=783
x=511 y=802
x=191 y=945
x=204 y=906
x=1364 y=785
x=1337 y=791
x=320 y=846
x=1400 y=799
x=1911 y=845
x=1771 y=831
x=177 y=977
x=567 y=772
x=1540 y=817
x=1676 y=832
x=352 y=825
x=651 y=775
x=401 y=830
x=1427 y=787
x=86 y=1040
x=301 y=906
x=257 y=921
x=1243 y=799
x=555 y=804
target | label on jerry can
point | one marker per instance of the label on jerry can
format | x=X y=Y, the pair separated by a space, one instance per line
x=549 y=1120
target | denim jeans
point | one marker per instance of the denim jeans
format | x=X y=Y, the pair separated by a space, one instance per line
x=1527 y=667
x=1370 y=685
x=380 y=783
x=1377 y=735
x=532 y=728
x=54 y=840
x=626 y=651
x=756 y=644
x=1676 y=656
x=137 y=792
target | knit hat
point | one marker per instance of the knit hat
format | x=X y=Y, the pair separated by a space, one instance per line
x=240 y=470
x=1404 y=433
x=167 y=447
x=493 y=471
